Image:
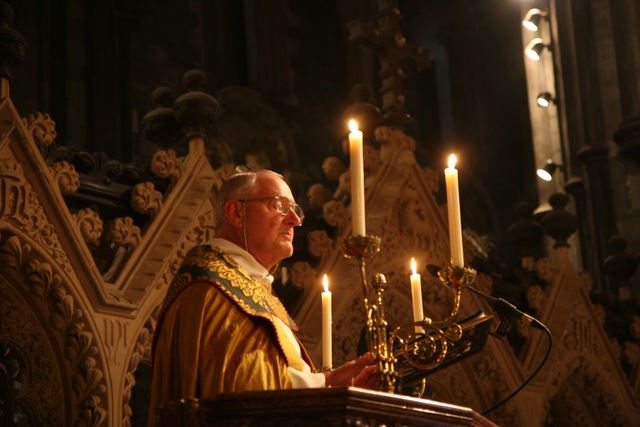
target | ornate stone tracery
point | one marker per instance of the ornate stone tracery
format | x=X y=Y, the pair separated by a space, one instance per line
x=76 y=344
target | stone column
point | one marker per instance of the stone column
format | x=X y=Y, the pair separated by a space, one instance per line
x=626 y=33
x=602 y=219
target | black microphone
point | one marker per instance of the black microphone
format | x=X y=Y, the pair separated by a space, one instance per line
x=503 y=308
x=507 y=311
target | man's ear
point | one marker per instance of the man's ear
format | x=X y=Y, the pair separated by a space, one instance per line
x=234 y=211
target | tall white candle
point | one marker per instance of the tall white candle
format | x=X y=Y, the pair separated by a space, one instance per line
x=326 y=325
x=453 y=204
x=357 y=180
x=416 y=296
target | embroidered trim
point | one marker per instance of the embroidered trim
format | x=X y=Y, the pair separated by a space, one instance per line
x=211 y=264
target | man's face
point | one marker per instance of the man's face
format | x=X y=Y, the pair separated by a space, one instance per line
x=269 y=233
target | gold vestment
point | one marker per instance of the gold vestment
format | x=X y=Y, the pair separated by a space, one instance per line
x=217 y=332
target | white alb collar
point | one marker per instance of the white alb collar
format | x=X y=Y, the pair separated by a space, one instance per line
x=244 y=260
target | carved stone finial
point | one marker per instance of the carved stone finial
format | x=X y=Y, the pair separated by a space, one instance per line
x=159 y=125
x=559 y=224
x=525 y=233
x=195 y=110
x=12 y=45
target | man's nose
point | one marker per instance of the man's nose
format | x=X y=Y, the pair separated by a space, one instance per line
x=293 y=218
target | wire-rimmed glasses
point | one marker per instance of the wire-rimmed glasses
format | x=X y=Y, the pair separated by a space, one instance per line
x=283 y=205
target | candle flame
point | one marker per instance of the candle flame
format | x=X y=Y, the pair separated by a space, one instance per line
x=325 y=283
x=452 y=161
x=353 y=126
x=413 y=265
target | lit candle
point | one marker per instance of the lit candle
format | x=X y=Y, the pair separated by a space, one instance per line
x=453 y=204
x=326 y=325
x=357 y=180
x=416 y=295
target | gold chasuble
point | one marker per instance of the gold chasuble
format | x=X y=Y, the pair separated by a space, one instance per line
x=217 y=332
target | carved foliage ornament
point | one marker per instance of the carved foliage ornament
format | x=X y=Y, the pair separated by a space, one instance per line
x=146 y=199
x=40 y=396
x=89 y=224
x=22 y=208
x=165 y=164
x=42 y=128
x=123 y=232
x=64 y=173
x=199 y=235
x=75 y=343
x=130 y=380
x=586 y=386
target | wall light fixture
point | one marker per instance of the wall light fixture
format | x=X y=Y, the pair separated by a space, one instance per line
x=535 y=48
x=532 y=19
x=547 y=170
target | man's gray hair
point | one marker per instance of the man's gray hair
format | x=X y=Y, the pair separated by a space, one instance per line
x=238 y=186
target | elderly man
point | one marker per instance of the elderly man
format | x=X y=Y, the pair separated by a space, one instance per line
x=221 y=329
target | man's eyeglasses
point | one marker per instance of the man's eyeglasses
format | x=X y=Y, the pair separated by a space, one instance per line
x=282 y=205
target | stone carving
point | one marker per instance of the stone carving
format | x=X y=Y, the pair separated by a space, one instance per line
x=165 y=164
x=20 y=204
x=546 y=270
x=589 y=381
x=343 y=190
x=64 y=173
x=303 y=275
x=146 y=199
x=319 y=244
x=335 y=214
x=130 y=380
x=89 y=224
x=371 y=159
x=536 y=298
x=123 y=232
x=349 y=328
x=74 y=342
x=332 y=167
x=198 y=235
x=393 y=139
x=42 y=128
x=318 y=195
x=40 y=378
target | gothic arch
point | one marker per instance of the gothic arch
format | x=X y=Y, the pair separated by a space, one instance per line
x=73 y=389
x=582 y=394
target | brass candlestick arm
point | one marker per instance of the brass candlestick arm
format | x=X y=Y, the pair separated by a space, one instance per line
x=361 y=247
x=423 y=345
x=456 y=277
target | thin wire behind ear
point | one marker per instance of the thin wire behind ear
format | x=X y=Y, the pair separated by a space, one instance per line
x=244 y=225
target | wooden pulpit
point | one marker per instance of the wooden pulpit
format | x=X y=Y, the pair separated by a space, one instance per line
x=340 y=406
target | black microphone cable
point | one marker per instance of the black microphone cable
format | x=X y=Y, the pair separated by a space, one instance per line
x=507 y=312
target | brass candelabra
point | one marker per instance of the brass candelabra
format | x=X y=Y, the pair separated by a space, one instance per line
x=423 y=344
